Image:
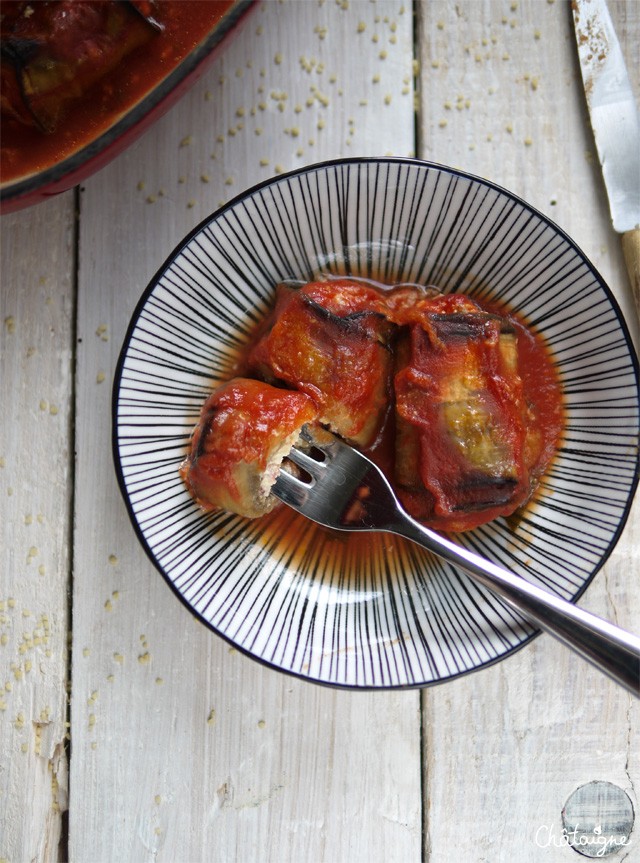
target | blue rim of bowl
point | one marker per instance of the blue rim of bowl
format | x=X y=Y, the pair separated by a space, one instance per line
x=13 y=192
x=359 y=160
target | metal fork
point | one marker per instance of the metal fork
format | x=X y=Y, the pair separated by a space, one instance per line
x=343 y=489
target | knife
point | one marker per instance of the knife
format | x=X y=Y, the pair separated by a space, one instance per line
x=614 y=119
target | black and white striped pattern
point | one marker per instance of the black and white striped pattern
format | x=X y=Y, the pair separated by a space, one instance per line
x=298 y=597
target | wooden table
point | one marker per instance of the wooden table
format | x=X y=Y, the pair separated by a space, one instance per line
x=128 y=731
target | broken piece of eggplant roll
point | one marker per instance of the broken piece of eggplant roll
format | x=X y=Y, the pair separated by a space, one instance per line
x=246 y=429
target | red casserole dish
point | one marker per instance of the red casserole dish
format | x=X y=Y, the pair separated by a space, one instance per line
x=82 y=80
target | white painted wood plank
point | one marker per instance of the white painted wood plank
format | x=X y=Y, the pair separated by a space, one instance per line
x=501 y=97
x=185 y=750
x=36 y=347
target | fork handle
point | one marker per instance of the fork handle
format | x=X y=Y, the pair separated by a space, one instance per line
x=609 y=648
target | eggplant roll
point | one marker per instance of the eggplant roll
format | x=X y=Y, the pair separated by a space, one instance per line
x=461 y=448
x=53 y=53
x=331 y=340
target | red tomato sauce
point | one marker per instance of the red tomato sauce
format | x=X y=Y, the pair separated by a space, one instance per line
x=97 y=77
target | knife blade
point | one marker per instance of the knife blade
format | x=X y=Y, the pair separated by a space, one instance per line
x=614 y=120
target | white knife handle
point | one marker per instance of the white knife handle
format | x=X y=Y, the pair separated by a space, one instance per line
x=631 y=249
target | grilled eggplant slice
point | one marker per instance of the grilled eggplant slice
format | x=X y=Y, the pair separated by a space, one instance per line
x=245 y=431
x=330 y=340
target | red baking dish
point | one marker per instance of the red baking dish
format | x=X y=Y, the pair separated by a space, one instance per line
x=76 y=94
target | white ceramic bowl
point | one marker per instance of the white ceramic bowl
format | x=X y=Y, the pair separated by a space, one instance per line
x=296 y=597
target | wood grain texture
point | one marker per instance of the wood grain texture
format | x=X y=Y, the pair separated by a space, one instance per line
x=183 y=749
x=503 y=99
x=36 y=348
